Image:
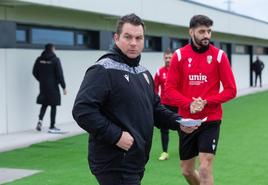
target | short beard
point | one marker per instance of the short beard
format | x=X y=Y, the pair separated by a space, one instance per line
x=200 y=43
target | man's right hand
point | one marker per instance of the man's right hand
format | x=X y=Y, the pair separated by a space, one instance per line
x=126 y=141
x=64 y=91
x=188 y=130
x=197 y=105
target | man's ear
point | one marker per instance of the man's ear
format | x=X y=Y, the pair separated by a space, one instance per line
x=116 y=37
x=191 y=32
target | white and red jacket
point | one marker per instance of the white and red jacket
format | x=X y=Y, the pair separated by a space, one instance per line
x=192 y=74
x=160 y=82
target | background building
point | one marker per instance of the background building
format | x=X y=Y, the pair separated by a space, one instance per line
x=83 y=30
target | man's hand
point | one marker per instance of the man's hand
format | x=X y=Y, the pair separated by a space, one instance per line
x=189 y=125
x=126 y=141
x=197 y=105
x=188 y=130
x=64 y=91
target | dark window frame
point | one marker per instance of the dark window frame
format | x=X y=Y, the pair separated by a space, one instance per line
x=90 y=35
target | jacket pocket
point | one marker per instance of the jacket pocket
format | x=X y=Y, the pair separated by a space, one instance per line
x=104 y=157
x=135 y=157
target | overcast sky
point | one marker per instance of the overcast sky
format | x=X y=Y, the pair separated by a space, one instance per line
x=253 y=8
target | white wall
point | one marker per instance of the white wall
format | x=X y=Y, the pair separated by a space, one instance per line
x=240 y=67
x=19 y=89
x=22 y=88
x=152 y=61
x=3 y=116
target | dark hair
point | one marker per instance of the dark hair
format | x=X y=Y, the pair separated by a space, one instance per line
x=167 y=51
x=200 y=20
x=49 y=47
x=130 y=18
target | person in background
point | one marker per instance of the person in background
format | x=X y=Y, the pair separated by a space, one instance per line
x=195 y=75
x=116 y=104
x=160 y=81
x=48 y=72
x=258 y=66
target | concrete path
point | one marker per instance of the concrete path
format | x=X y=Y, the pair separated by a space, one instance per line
x=9 y=175
x=27 y=138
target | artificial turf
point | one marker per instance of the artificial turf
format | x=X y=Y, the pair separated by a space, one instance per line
x=241 y=157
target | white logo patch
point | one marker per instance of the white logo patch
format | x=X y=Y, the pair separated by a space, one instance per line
x=209 y=59
x=126 y=77
x=214 y=145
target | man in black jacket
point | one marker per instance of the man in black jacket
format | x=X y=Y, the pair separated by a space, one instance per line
x=48 y=72
x=258 y=66
x=116 y=104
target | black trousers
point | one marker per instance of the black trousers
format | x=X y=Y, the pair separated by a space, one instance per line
x=52 y=114
x=119 y=178
x=258 y=75
x=165 y=132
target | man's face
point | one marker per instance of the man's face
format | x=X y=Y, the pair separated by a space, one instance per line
x=201 y=35
x=167 y=58
x=131 y=40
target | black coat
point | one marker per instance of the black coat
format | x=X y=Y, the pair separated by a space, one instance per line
x=48 y=71
x=116 y=97
x=258 y=66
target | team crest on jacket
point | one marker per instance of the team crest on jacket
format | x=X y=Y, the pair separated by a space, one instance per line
x=209 y=59
x=146 y=78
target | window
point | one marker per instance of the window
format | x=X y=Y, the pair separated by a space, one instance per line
x=177 y=43
x=227 y=48
x=241 y=49
x=21 y=35
x=224 y=47
x=80 y=39
x=266 y=51
x=35 y=37
x=259 y=50
x=43 y=36
x=152 y=43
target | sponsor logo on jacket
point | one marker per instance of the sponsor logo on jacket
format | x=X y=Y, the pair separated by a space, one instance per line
x=45 y=62
x=197 y=79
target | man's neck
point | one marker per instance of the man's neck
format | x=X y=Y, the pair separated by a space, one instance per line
x=200 y=49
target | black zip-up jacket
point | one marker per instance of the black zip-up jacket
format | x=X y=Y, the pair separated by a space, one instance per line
x=117 y=94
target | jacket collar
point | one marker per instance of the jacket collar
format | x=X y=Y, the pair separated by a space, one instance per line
x=199 y=50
